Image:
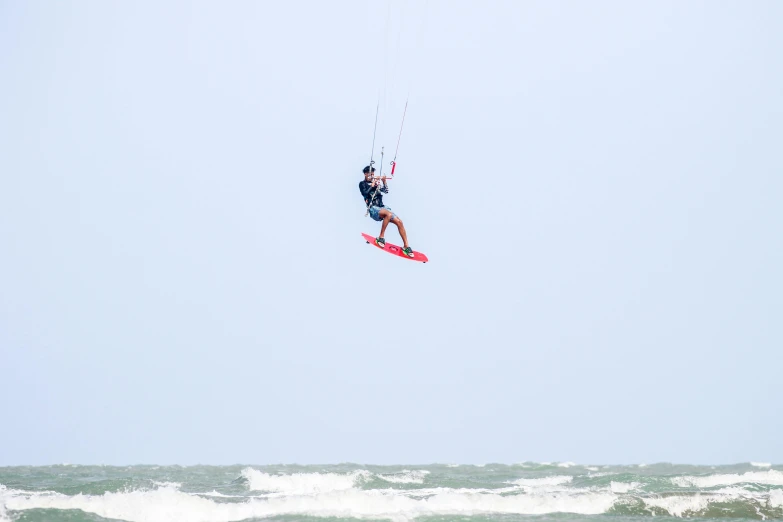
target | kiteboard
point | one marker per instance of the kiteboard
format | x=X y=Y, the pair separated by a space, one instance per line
x=395 y=250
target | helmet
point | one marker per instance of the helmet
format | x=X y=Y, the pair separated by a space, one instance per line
x=367 y=169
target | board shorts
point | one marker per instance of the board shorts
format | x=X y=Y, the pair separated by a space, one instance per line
x=374 y=211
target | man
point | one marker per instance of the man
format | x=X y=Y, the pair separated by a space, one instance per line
x=372 y=192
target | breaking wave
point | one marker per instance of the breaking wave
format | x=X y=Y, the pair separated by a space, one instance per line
x=770 y=478
x=167 y=504
x=405 y=477
x=302 y=483
x=361 y=494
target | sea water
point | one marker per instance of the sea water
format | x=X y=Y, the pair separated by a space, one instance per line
x=492 y=492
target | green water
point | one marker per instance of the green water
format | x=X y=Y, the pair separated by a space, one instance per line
x=496 y=492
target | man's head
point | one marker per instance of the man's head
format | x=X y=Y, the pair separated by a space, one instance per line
x=368 y=172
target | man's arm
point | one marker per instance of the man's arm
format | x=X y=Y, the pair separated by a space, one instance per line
x=366 y=189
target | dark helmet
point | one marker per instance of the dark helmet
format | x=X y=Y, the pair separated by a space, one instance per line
x=367 y=169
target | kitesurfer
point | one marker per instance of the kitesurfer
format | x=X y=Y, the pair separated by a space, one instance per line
x=372 y=191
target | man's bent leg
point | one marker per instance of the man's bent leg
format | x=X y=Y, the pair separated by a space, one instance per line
x=401 y=228
x=386 y=216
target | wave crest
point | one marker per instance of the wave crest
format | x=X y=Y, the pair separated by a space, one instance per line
x=406 y=477
x=302 y=483
x=770 y=478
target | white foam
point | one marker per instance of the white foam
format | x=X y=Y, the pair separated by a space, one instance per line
x=566 y=464
x=775 y=498
x=217 y=494
x=170 y=505
x=423 y=493
x=556 y=480
x=406 y=477
x=466 y=503
x=737 y=492
x=3 y=512
x=771 y=477
x=677 y=506
x=302 y=483
x=761 y=464
x=158 y=505
x=680 y=506
x=692 y=505
x=591 y=468
x=623 y=487
x=174 y=485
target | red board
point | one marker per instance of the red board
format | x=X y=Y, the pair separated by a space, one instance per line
x=395 y=250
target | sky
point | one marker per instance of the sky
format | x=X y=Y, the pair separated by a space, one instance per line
x=598 y=186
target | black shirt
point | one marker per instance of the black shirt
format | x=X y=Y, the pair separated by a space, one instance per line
x=368 y=190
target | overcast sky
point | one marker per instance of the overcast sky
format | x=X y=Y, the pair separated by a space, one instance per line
x=598 y=186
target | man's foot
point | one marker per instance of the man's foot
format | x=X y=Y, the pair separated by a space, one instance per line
x=380 y=242
x=408 y=251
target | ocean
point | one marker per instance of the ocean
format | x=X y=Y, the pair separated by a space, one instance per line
x=441 y=492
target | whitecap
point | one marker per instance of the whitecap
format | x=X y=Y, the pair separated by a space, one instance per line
x=175 y=485
x=302 y=483
x=3 y=512
x=678 y=506
x=170 y=505
x=771 y=477
x=775 y=498
x=602 y=474
x=623 y=487
x=405 y=477
x=556 y=480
